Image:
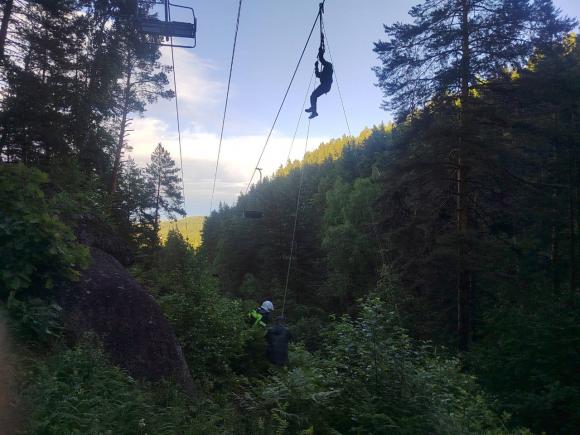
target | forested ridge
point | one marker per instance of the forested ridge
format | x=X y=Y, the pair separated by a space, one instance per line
x=427 y=268
x=190 y=227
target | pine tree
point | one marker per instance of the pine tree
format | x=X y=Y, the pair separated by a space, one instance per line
x=162 y=178
x=451 y=47
x=144 y=81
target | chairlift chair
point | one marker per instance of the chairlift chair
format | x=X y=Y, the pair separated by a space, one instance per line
x=253 y=214
x=167 y=28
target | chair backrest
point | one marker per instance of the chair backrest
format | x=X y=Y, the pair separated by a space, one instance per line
x=177 y=29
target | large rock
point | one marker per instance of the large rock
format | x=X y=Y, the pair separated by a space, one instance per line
x=136 y=336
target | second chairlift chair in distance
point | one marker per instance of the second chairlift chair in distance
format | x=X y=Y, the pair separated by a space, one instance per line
x=254 y=214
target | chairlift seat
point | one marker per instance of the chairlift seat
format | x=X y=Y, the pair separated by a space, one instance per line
x=175 y=29
x=253 y=214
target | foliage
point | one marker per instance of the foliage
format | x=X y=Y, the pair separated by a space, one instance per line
x=35 y=321
x=38 y=250
x=349 y=238
x=78 y=392
x=529 y=358
x=209 y=326
x=371 y=377
x=453 y=46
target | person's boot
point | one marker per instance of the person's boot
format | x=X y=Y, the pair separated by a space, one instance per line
x=309 y=110
x=313 y=115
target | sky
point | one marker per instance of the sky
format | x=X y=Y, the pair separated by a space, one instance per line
x=271 y=36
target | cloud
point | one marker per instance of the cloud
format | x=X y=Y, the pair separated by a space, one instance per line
x=239 y=155
x=200 y=95
x=201 y=104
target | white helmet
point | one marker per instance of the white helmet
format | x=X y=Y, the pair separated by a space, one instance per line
x=268 y=306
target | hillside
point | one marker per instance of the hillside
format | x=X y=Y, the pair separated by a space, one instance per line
x=190 y=227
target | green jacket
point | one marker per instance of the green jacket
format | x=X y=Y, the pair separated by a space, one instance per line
x=258 y=318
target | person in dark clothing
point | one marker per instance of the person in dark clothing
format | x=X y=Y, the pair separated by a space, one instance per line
x=278 y=337
x=325 y=77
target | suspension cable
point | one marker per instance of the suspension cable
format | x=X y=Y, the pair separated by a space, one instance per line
x=295 y=220
x=300 y=117
x=225 y=106
x=318 y=15
x=336 y=77
x=371 y=211
x=178 y=133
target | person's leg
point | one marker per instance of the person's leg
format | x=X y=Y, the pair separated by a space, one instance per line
x=314 y=99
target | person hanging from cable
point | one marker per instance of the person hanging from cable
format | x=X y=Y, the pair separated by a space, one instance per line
x=325 y=75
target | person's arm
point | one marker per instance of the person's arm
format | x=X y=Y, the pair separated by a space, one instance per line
x=316 y=70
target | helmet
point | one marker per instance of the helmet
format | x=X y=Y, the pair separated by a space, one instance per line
x=268 y=306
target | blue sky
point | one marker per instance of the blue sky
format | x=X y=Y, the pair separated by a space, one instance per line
x=271 y=36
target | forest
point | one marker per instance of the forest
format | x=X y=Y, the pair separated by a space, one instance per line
x=428 y=267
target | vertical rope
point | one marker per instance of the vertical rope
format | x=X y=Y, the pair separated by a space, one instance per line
x=225 y=106
x=295 y=220
x=372 y=215
x=337 y=83
x=300 y=117
x=178 y=131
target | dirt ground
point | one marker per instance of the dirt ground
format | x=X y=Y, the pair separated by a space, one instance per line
x=10 y=420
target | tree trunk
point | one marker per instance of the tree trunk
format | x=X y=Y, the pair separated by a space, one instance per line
x=6 y=15
x=463 y=278
x=572 y=194
x=157 y=201
x=121 y=138
x=555 y=259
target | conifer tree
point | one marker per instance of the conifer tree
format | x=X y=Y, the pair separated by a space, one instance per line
x=143 y=81
x=450 y=47
x=161 y=175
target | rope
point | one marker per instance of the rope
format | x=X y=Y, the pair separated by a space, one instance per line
x=225 y=106
x=337 y=84
x=295 y=221
x=178 y=133
x=372 y=215
x=300 y=117
x=318 y=15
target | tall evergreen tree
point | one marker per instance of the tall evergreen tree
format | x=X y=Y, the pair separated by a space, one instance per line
x=143 y=81
x=450 y=48
x=162 y=177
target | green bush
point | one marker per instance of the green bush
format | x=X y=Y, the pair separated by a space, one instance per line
x=37 y=250
x=209 y=326
x=79 y=392
x=370 y=377
x=34 y=321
